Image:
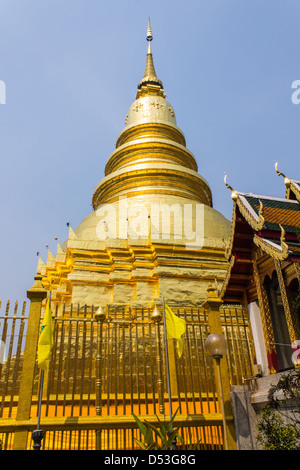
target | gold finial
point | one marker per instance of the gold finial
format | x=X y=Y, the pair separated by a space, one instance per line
x=225 y=181
x=282 y=237
x=276 y=169
x=100 y=315
x=150 y=77
x=233 y=192
x=150 y=84
x=287 y=181
x=156 y=316
x=37 y=290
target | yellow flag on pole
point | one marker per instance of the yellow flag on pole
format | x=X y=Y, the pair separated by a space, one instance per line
x=46 y=338
x=175 y=327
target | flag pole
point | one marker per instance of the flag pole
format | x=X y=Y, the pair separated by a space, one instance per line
x=37 y=435
x=167 y=359
x=40 y=400
x=173 y=445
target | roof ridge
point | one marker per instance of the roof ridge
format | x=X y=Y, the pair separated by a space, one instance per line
x=258 y=196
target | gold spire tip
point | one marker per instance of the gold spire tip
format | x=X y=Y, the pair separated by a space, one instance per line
x=149 y=36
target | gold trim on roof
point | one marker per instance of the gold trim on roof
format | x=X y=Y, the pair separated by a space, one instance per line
x=296 y=190
x=227 y=278
x=287 y=181
x=228 y=246
x=233 y=192
x=271 y=249
x=255 y=224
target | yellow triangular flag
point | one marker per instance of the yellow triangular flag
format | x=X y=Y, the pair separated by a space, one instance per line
x=175 y=327
x=46 y=338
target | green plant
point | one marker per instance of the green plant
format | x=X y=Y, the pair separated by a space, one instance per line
x=274 y=433
x=160 y=437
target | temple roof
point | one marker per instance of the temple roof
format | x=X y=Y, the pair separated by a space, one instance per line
x=292 y=186
x=275 y=211
x=271 y=223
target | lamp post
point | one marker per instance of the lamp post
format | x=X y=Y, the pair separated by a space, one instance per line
x=217 y=346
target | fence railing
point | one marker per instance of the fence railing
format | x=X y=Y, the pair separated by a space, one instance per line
x=101 y=372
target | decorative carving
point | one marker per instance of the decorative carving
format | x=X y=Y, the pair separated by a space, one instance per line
x=171 y=111
x=297 y=269
x=228 y=247
x=227 y=278
x=255 y=224
x=156 y=104
x=233 y=192
x=271 y=249
x=137 y=107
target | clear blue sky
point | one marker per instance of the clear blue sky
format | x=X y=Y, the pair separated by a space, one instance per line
x=71 y=68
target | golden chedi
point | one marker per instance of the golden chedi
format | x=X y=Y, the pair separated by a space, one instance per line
x=153 y=232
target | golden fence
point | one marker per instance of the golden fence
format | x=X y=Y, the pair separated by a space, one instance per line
x=103 y=372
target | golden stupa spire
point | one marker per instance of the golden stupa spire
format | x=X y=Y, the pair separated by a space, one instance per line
x=150 y=156
x=150 y=80
x=149 y=36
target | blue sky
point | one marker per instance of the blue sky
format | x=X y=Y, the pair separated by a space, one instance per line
x=71 y=68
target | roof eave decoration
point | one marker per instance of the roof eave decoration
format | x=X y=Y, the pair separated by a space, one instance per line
x=279 y=252
x=229 y=246
x=255 y=221
x=227 y=278
x=290 y=185
x=295 y=187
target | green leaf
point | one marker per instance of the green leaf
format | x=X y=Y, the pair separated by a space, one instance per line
x=140 y=444
x=161 y=424
x=180 y=438
x=171 y=439
x=141 y=426
x=153 y=445
x=149 y=437
x=156 y=431
x=169 y=426
x=194 y=446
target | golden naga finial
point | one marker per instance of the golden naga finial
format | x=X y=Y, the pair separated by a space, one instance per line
x=278 y=172
x=284 y=246
x=282 y=238
x=261 y=219
x=233 y=192
x=261 y=208
x=225 y=181
x=287 y=181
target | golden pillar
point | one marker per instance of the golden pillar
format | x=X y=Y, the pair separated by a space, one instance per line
x=213 y=304
x=288 y=309
x=266 y=320
x=100 y=318
x=36 y=295
x=156 y=317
